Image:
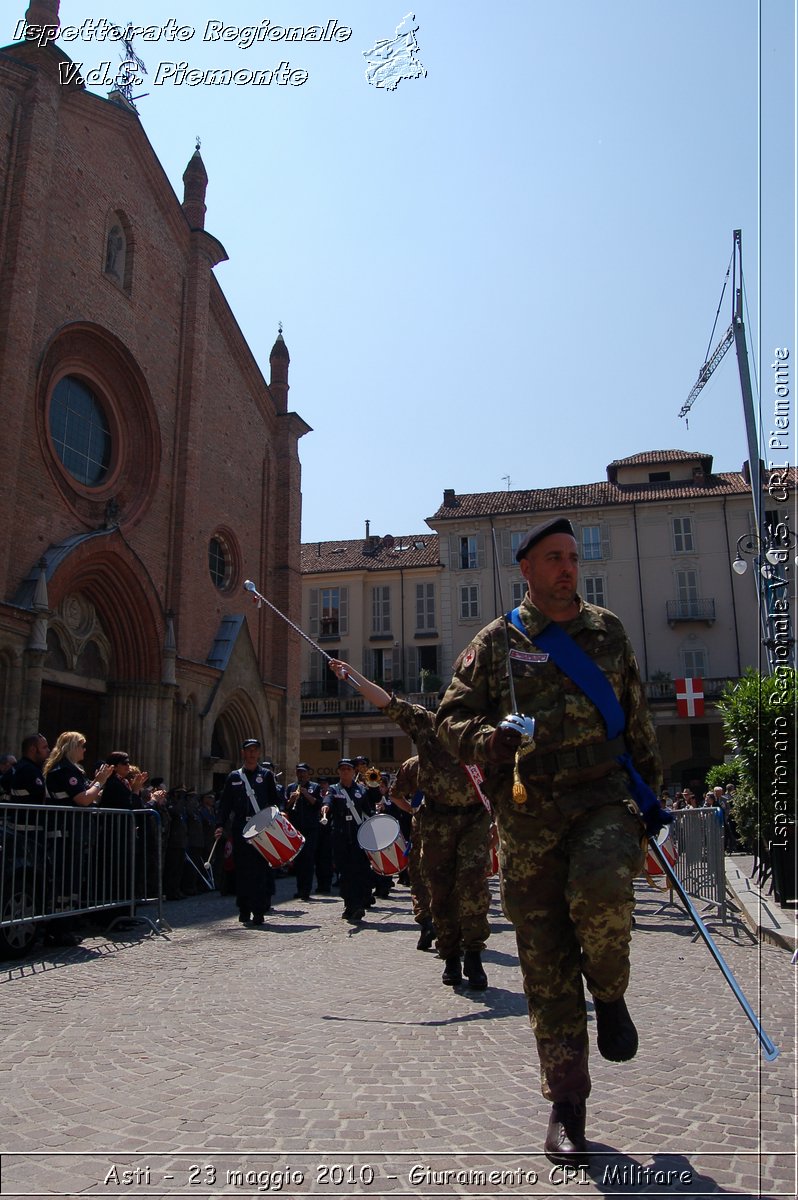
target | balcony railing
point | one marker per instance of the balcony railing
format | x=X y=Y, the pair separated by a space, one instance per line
x=690 y=610
x=666 y=689
x=324 y=706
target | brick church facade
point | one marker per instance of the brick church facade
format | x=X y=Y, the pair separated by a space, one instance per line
x=148 y=467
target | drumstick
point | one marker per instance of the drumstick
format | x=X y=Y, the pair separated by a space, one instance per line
x=207 y=865
x=249 y=586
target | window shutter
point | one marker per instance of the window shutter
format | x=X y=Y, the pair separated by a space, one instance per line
x=411 y=683
x=606 y=548
x=506 y=548
x=314 y=611
x=396 y=664
x=343 y=611
x=480 y=550
x=368 y=662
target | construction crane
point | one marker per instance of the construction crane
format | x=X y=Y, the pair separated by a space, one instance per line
x=736 y=333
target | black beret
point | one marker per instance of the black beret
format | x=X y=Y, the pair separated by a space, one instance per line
x=245 y=745
x=346 y=762
x=545 y=529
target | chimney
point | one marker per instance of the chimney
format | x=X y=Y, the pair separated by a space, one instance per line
x=448 y=498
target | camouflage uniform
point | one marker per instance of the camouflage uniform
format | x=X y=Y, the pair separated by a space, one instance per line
x=569 y=853
x=405 y=787
x=455 y=853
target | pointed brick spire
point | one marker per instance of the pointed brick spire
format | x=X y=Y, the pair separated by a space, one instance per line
x=278 y=380
x=43 y=12
x=195 y=183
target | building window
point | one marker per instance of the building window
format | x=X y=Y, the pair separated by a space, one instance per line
x=518 y=592
x=381 y=610
x=382 y=665
x=686 y=585
x=683 y=535
x=329 y=743
x=469 y=602
x=694 y=664
x=425 y=607
x=80 y=432
x=594 y=590
x=219 y=563
x=329 y=611
x=469 y=554
x=591 y=542
x=386 y=749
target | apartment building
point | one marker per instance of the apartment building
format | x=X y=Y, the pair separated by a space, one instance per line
x=657 y=541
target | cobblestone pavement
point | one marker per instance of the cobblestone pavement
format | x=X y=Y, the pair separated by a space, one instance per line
x=313 y=1058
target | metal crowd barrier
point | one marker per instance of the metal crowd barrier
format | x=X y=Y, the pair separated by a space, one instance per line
x=60 y=862
x=697 y=836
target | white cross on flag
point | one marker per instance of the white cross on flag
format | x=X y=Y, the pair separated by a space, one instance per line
x=690 y=697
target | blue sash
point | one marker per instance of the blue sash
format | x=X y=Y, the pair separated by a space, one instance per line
x=578 y=666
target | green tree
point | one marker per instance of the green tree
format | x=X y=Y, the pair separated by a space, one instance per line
x=759 y=722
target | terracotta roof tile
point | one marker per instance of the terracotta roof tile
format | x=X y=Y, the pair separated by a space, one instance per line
x=589 y=495
x=648 y=457
x=413 y=550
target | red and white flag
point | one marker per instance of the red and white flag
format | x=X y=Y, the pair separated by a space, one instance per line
x=689 y=697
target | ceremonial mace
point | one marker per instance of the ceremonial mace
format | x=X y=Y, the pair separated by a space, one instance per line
x=769 y=1050
x=249 y=586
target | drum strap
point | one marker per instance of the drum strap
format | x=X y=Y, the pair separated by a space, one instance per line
x=249 y=791
x=350 y=804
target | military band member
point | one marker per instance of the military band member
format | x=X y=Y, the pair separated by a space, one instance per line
x=346 y=806
x=570 y=846
x=246 y=791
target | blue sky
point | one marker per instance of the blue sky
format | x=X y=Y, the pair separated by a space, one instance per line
x=510 y=267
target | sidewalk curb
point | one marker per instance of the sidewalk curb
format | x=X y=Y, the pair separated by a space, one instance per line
x=759 y=912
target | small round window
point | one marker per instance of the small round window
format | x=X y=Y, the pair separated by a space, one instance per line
x=80 y=432
x=219 y=563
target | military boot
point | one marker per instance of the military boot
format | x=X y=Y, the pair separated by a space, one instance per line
x=452 y=973
x=565 y=1137
x=615 y=1031
x=474 y=971
x=426 y=936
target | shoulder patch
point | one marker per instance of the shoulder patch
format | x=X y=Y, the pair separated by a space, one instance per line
x=469 y=656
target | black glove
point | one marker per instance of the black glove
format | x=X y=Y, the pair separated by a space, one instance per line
x=656 y=818
x=502 y=745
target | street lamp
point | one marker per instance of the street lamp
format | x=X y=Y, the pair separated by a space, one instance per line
x=774 y=549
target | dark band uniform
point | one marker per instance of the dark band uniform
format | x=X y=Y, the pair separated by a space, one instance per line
x=353 y=864
x=254 y=878
x=303 y=808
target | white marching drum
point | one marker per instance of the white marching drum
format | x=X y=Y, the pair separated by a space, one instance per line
x=272 y=834
x=383 y=842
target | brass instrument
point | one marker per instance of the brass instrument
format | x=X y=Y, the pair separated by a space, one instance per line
x=371 y=777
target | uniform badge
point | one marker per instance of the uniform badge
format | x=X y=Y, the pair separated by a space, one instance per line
x=73 y=782
x=469 y=656
x=528 y=656
x=259 y=779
